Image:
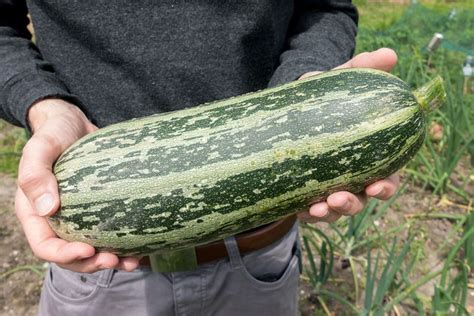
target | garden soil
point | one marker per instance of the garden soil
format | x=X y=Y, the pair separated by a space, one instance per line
x=20 y=289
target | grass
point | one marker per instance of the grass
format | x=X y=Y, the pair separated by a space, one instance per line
x=440 y=157
x=381 y=15
x=389 y=266
x=469 y=246
x=393 y=276
x=37 y=269
x=12 y=141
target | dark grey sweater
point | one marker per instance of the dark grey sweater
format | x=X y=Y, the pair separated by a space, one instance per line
x=122 y=59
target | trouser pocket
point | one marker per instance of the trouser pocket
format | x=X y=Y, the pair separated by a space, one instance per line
x=273 y=264
x=67 y=292
x=264 y=282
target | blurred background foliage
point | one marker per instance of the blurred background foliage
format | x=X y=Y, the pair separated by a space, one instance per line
x=411 y=255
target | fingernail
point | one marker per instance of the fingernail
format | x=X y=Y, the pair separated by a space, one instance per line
x=44 y=204
x=377 y=191
x=323 y=213
x=319 y=211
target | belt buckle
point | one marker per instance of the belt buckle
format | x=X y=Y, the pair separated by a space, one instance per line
x=174 y=261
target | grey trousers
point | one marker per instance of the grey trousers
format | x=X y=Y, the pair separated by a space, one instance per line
x=264 y=282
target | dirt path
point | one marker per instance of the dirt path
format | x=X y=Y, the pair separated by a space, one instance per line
x=19 y=292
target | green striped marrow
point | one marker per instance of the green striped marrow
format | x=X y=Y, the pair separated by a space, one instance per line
x=184 y=178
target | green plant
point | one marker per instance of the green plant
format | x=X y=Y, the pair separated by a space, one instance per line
x=439 y=159
x=394 y=279
x=469 y=243
x=451 y=292
x=318 y=274
x=12 y=141
x=375 y=293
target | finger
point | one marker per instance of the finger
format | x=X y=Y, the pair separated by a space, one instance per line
x=330 y=217
x=346 y=203
x=95 y=263
x=384 y=189
x=42 y=239
x=319 y=209
x=76 y=256
x=128 y=264
x=310 y=74
x=383 y=59
x=35 y=176
x=307 y=218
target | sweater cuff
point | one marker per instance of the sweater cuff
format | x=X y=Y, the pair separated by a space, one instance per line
x=22 y=91
x=292 y=70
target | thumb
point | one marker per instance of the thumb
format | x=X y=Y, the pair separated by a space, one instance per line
x=35 y=176
x=382 y=59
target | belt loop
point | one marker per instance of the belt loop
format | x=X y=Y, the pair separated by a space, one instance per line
x=105 y=277
x=233 y=252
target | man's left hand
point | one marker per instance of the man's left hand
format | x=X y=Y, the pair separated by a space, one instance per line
x=343 y=202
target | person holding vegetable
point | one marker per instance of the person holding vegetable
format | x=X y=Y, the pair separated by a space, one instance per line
x=97 y=63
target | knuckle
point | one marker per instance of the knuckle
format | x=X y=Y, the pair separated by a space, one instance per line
x=29 y=146
x=41 y=141
x=50 y=142
x=27 y=178
x=17 y=205
x=70 y=267
x=386 y=194
x=358 y=209
x=359 y=206
x=37 y=253
x=46 y=143
x=18 y=211
x=60 y=260
x=392 y=190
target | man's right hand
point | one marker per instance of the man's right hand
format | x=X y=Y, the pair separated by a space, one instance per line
x=56 y=124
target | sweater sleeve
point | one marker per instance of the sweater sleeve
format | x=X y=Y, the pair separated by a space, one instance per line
x=321 y=36
x=24 y=76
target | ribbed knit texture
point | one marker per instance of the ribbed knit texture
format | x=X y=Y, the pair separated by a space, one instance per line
x=123 y=59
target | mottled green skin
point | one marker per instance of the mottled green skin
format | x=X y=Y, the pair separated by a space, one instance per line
x=193 y=176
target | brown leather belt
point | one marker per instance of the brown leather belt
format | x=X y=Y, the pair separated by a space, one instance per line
x=248 y=241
